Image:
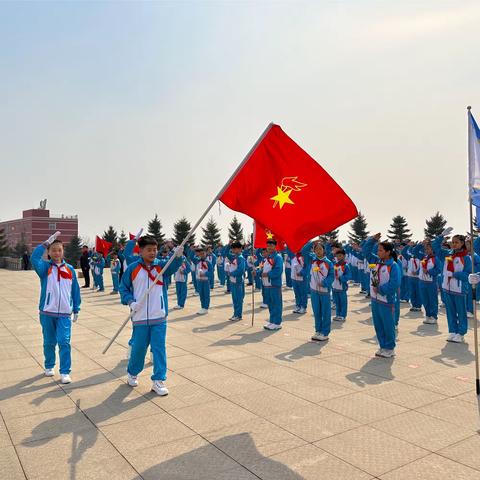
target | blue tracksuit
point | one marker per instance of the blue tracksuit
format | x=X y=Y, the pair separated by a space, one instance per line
x=236 y=272
x=299 y=274
x=383 y=296
x=321 y=276
x=456 y=268
x=288 y=268
x=430 y=268
x=115 y=271
x=340 y=286
x=59 y=298
x=98 y=266
x=272 y=268
x=181 y=276
x=220 y=266
x=469 y=290
x=202 y=273
x=212 y=258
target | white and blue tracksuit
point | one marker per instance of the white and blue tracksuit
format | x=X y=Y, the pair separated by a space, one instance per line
x=115 y=271
x=321 y=277
x=212 y=258
x=404 y=287
x=220 y=266
x=413 y=257
x=339 y=287
x=59 y=298
x=288 y=269
x=98 y=266
x=383 y=296
x=202 y=273
x=430 y=268
x=150 y=321
x=271 y=271
x=299 y=277
x=181 y=276
x=235 y=269
x=456 y=268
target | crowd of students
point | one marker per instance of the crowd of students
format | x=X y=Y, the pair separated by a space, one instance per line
x=388 y=273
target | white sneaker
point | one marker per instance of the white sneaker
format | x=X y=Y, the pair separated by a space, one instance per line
x=319 y=337
x=159 y=388
x=263 y=305
x=65 y=378
x=177 y=307
x=457 y=338
x=202 y=311
x=385 y=353
x=430 y=321
x=404 y=301
x=49 y=372
x=339 y=319
x=272 y=326
x=234 y=318
x=451 y=337
x=379 y=352
x=469 y=315
x=296 y=310
x=302 y=310
x=129 y=352
x=132 y=380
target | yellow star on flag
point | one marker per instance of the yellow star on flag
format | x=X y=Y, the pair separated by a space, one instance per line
x=282 y=197
x=269 y=234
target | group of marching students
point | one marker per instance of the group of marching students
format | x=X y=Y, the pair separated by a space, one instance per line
x=388 y=273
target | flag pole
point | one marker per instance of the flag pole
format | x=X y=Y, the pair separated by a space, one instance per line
x=473 y=287
x=253 y=276
x=190 y=233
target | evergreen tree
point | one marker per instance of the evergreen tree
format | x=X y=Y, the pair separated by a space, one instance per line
x=155 y=230
x=21 y=247
x=73 y=251
x=435 y=226
x=4 y=249
x=110 y=235
x=331 y=236
x=399 y=229
x=180 y=231
x=122 y=239
x=211 y=234
x=359 y=229
x=235 y=231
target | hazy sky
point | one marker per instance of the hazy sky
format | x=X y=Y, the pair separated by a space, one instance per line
x=117 y=110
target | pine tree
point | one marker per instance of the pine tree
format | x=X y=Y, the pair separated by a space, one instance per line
x=111 y=235
x=122 y=239
x=4 y=249
x=235 y=231
x=211 y=234
x=180 y=231
x=359 y=229
x=435 y=226
x=399 y=229
x=331 y=236
x=21 y=247
x=155 y=230
x=73 y=251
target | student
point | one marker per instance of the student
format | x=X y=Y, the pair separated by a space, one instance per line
x=92 y=261
x=99 y=266
x=202 y=274
x=430 y=268
x=340 y=285
x=384 y=283
x=150 y=316
x=404 y=287
x=220 y=265
x=115 y=272
x=261 y=258
x=288 y=269
x=59 y=298
x=476 y=269
x=271 y=272
x=321 y=279
x=181 y=276
x=236 y=271
x=299 y=281
x=212 y=258
x=413 y=256
x=456 y=270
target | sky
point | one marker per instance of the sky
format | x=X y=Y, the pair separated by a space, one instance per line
x=116 y=111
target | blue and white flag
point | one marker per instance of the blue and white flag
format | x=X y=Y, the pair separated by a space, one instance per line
x=474 y=164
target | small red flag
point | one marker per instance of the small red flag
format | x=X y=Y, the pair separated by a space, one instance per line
x=102 y=246
x=281 y=186
x=136 y=249
x=261 y=234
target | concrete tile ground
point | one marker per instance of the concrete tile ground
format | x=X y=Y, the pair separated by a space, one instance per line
x=244 y=403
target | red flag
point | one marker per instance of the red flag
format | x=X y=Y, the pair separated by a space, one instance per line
x=281 y=186
x=261 y=234
x=102 y=246
x=136 y=249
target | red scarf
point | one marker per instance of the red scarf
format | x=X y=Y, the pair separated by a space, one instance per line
x=461 y=254
x=67 y=274
x=150 y=274
x=341 y=266
x=425 y=261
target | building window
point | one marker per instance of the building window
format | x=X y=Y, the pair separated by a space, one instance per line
x=52 y=226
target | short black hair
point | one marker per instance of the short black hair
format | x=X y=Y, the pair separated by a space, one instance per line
x=147 y=240
x=341 y=251
x=54 y=242
x=272 y=241
x=236 y=245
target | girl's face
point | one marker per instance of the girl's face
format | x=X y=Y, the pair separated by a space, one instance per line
x=457 y=244
x=428 y=250
x=319 y=250
x=382 y=253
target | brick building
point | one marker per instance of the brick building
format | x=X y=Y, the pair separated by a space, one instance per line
x=36 y=225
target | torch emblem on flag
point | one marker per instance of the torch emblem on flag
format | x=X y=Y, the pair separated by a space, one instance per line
x=289 y=185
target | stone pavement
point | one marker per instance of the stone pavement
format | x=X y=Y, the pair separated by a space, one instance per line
x=244 y=403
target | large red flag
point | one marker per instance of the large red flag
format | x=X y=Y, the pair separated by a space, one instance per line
x=281 y=186
x=261 y=234
x=136 y=249
x=102 y=246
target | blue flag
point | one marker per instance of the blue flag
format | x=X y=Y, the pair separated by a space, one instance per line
x=474 y=164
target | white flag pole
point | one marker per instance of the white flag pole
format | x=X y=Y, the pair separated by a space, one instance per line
x=199 y=221
x=472 y=253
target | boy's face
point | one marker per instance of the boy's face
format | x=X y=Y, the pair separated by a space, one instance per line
x=201 y=254
x=340 y=257
x=236 y=251
x=149 y=253
x=270 y=248
x=56 y=252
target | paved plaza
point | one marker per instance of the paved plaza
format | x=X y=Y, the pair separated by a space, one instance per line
x=244 y=403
